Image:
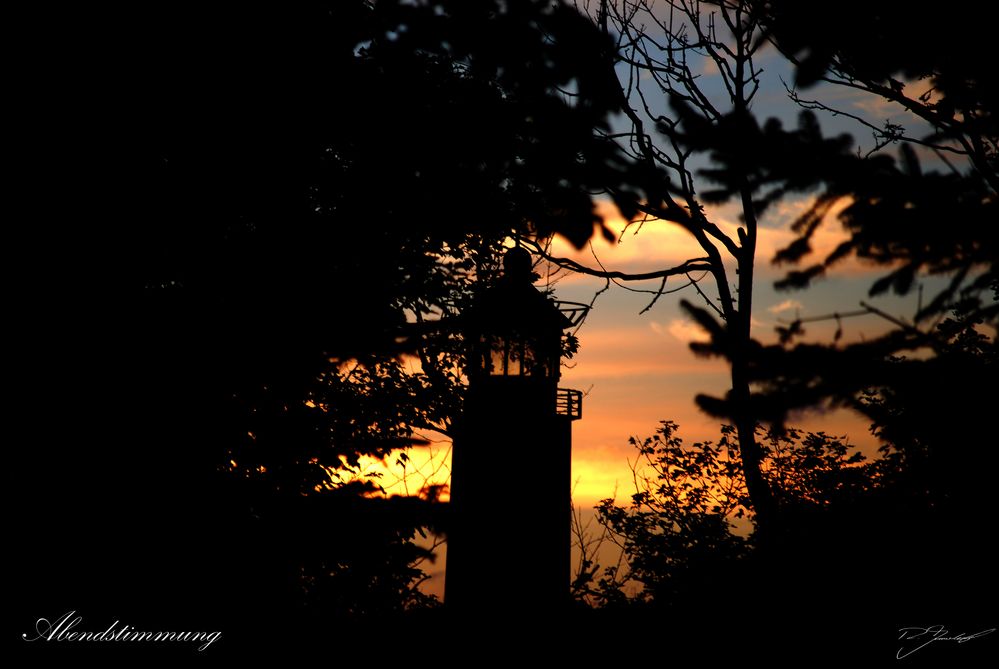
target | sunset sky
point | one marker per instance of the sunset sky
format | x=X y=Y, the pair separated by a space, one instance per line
x=636 y=369
x=283 y=378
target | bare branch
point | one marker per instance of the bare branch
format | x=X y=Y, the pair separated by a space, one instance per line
x=886 y=133
x=708 y=301
x=662 y=291
x=692 y=265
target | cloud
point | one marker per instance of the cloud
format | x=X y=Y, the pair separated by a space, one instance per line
x=881 y=108
x=639 y=247
x=656 y=245
x=687 y=332
x=608 y=351
x=786 y=305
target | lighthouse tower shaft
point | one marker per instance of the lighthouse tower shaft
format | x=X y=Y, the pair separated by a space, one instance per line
x=509 y=536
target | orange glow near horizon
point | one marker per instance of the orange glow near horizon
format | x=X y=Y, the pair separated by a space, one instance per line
x=637 y=368
x=634 y=364
x=656 y=244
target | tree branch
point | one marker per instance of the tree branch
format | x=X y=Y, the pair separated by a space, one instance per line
x=692 y=265
x=878 y=131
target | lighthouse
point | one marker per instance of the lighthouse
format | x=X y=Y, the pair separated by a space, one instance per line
x=509 y=537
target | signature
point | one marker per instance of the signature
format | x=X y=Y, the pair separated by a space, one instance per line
x=917 y=638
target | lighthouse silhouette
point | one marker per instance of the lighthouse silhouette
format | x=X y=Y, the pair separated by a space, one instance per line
x=508 y=542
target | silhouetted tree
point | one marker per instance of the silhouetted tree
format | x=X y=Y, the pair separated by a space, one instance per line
x=924 y=383
x=895 y=210
x=916 y=223
x=528 y=158
x=690 y=522
x=280 y=196
x=661 y=50
x=916 y=513
x=952 y=88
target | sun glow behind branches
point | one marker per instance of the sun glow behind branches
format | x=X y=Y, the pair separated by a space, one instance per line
x=423 y=469
x=637 y=368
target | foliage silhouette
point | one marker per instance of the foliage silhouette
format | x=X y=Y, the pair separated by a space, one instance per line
x=661 y=52
x=909 y=516
x=893 y=215
x=265 y=208
x=690 y=519
x=294 y=198
x=422 y=267
x=865 y=544
x=917 y=223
